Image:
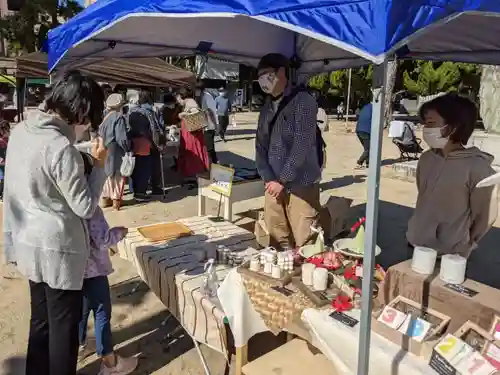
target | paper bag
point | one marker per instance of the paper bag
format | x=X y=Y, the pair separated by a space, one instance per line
x=333 y=216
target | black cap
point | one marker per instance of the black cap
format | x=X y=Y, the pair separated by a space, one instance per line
x=273 y=60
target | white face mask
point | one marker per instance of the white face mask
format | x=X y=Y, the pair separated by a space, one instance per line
x=268 y=82
x=434 y=138
x=171 y=106
x=80 y=131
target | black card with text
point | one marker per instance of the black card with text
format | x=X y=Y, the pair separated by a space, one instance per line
x=344 y=319
x=441 y=365
x=461 y=289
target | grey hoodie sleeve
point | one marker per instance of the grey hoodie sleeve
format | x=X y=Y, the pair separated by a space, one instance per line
x=81 y=194
x=483 y=204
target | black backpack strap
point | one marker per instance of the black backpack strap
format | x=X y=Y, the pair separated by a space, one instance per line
x=284 y=102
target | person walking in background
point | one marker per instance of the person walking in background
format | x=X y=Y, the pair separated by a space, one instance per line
x=47 y=201
x=340 y=111
x=363 y=130
x=451 y=214
x=287 y=156
x=147 y=140
x=207 y=103
x=158 y=131
x=193 y=157
x=223 y=104
x=113 y=131
x=96 y=293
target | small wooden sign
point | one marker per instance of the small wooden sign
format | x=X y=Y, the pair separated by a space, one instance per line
x=221 y=179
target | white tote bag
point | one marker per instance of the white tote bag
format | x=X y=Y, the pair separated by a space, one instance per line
x=128 y=164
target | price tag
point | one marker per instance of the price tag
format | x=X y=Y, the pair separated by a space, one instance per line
x=344 y=319
x=468 y=292
x=415 y=328
x=475 y=364
x=221 y=179
x=392 y=317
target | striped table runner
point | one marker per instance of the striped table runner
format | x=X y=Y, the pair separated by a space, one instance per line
x=176 y=277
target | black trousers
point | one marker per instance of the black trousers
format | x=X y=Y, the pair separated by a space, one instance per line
x=223 y=124
x=156 y=183
x=209 y=136
x=364 y=138
x=53 y=338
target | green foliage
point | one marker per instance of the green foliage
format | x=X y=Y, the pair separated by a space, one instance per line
x=27 y=29
x=430 y=78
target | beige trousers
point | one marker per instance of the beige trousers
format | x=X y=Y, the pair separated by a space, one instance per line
x=289 y=218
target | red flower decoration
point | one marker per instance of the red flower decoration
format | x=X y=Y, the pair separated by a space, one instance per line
x=317 y=261
x=350 y=273
x=342 y=303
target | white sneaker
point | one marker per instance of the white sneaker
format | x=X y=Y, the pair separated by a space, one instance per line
x=124 y=366
x=86 y=350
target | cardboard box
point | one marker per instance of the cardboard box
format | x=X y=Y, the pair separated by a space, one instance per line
x=421 y=349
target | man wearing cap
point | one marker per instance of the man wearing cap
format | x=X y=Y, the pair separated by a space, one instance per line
x=286 y=156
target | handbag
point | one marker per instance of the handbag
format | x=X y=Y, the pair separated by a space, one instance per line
x=195 y=121
x=128 y=164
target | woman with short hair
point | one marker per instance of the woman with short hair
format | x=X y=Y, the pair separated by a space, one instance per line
x=47 y=200
x=451 y=214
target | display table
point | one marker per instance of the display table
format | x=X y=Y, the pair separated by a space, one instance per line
x=241 y=191
x=173 y=273
x=340 y=343
x=431 y=292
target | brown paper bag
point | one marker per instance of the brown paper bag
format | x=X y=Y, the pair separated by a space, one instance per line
x=334 y=215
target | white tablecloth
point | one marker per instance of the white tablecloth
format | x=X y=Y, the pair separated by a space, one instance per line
x=339 y=343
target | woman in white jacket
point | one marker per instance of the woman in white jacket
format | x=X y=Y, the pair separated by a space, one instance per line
x=47 y=199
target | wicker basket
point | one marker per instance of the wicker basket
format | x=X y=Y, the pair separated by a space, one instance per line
x=195 y=121
x=276 y=309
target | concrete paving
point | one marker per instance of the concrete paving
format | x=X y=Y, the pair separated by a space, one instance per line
x=136 y=318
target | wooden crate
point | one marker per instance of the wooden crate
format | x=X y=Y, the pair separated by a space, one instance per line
x=475 y=336
x=423 y=349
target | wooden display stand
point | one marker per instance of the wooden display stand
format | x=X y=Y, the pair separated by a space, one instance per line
x=293 y=358
x=422 y=349
x=241 y=191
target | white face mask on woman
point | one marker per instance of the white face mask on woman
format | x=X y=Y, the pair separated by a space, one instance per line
x=434 y=138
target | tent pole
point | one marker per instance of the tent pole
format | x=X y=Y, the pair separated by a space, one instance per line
x=377 y=128
x=348 y=99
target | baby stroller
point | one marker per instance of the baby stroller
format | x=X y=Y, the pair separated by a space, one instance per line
x=406 y=141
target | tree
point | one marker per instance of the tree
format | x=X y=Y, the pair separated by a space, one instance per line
x=26 y=30
x=430 y=78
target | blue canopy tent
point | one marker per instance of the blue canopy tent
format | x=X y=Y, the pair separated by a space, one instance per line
x=320 y=35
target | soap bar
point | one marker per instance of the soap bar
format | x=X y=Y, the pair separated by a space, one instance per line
x=449 y=347
x=475 y=364
x=392 y=317
x=417 y=328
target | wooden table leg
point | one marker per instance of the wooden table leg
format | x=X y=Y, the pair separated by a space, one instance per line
x=241 y=358
x=201 y=202
x=228 y=209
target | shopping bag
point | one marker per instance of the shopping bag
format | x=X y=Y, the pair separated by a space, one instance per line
x=128 y=164
x=233 y=121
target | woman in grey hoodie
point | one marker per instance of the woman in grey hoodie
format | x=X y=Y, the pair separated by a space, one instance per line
x=47 y=200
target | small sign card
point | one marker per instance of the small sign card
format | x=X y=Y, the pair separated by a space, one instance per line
x=344 y=319
x=221 y=179
x=285 y=291
x=392 y=317
x=475 y=364
x=462 y=290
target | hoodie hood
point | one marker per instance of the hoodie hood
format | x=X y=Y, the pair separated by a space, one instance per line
x=470 y=152
x=38 y=120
